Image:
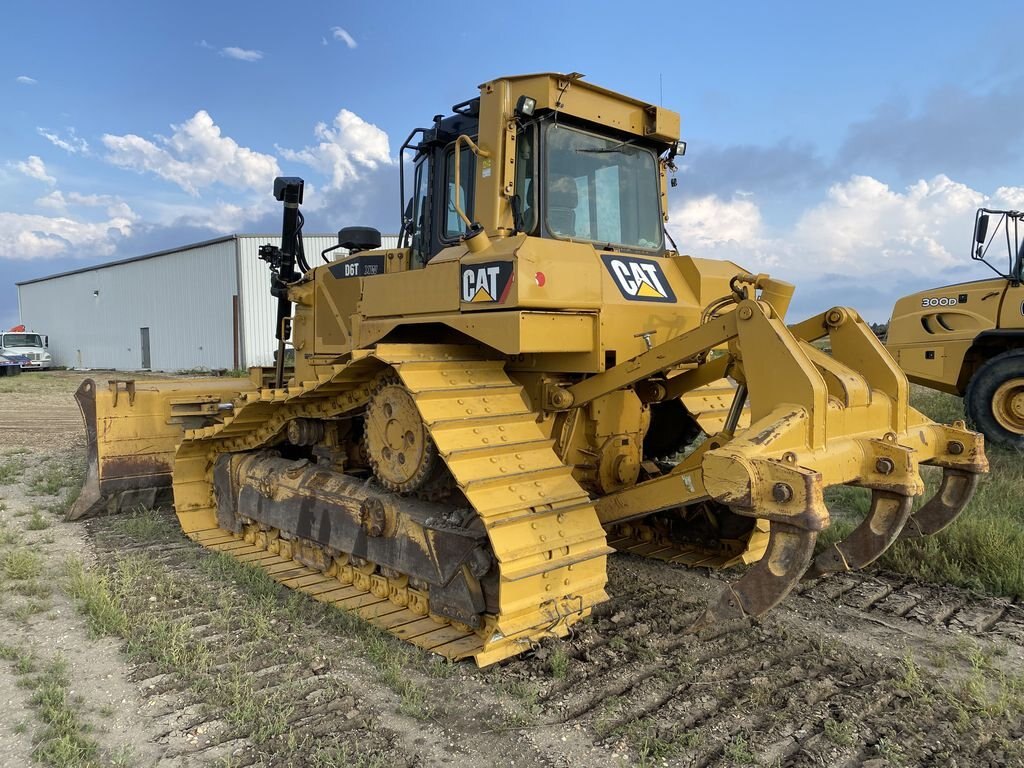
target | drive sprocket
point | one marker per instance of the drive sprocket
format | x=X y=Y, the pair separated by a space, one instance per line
x=401 y=453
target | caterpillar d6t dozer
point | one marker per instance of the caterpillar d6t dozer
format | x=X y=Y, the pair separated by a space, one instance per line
x=476 y=419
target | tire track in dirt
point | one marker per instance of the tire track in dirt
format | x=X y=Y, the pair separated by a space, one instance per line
x=801 y=688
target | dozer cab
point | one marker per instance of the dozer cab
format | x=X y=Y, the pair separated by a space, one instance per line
x=535 y=378
x=968 y=339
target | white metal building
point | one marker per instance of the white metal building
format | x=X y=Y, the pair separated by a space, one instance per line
x=205 y=305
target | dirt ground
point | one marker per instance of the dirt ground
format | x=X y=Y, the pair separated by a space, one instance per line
x=195 y=662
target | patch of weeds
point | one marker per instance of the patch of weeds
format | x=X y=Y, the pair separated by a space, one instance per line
x=33 y=588
x=839 y=731
x=12 y=468
x=911 y=681
x=123 y=757
x=738 y=750
x=37 y=522
x=256 y=582
x=22 y=564
x=9 y=537
x=558 y=663
x=92 y=593
x=440 y=667
x=145 y=525
x=348 y=755
x=28 y=609
x=50 y=481
x=890 y=750
x=64 y=740
x=655 y=745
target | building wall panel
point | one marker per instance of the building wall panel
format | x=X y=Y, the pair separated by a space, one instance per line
x=94 y=317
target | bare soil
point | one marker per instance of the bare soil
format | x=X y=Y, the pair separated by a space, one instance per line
x=869 y=669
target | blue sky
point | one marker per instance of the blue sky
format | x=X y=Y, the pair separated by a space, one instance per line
x=841 y=146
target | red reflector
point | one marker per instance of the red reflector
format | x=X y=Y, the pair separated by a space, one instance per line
x=539 y=277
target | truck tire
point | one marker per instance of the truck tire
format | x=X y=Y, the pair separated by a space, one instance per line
x=995 y=399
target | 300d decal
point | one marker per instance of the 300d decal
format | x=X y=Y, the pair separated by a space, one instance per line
x=639 y=279
x=486 y=282
x=943 y=301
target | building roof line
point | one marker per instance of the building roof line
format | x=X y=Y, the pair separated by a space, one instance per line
x=165 y=252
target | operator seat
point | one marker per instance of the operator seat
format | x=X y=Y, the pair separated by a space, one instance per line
x=563 y=197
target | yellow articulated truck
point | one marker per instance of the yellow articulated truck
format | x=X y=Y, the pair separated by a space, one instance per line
x=535 y=378
x=968 y=339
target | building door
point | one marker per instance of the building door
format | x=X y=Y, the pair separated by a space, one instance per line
x=144 y=333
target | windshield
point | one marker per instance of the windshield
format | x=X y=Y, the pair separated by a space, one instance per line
x=22 y=340
x=601 y=190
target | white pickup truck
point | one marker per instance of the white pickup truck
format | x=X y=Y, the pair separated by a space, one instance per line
x=26 y=347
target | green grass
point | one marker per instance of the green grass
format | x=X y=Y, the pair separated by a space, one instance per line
x=984 y=549
x=559 y=662
x=12 y=468
x=37 y=522
x=144 y=524
x=124 y=600
x=63 y=739
x=22 y=564
x=49 y=481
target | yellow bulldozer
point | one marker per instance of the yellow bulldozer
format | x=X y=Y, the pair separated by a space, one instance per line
x=967 y=339
x=534 y=378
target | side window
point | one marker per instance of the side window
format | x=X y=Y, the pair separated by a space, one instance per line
x=420 y=243
x=525 y=203
x=454 y=226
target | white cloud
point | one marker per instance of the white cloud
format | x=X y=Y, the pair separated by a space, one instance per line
x=710 y=220
x=35 y=168
x=339 y=33
x=30 y=236
x=861 y=227
x=352 y=144
x=71 y=144
x=25 y=80
x=195 y=156
x=55 y=201
x=115 y=206
x=220 y=216
x=241 y=54
x=1009 y=198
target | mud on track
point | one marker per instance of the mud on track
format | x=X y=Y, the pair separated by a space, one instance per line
x=231 y=669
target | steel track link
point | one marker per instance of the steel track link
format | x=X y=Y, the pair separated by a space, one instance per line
x=544 y=531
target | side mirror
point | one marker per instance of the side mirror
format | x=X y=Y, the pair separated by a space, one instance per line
x=981 y=229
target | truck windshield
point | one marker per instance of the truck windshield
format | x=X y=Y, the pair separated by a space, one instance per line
x=601 y=189
x=22 y=340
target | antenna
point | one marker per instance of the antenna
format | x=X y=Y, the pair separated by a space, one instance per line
x=661 y=91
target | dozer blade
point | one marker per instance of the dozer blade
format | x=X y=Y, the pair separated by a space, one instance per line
x=133 y=429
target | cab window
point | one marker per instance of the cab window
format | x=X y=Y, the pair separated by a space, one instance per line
x=525 y=202
x=454 y=226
